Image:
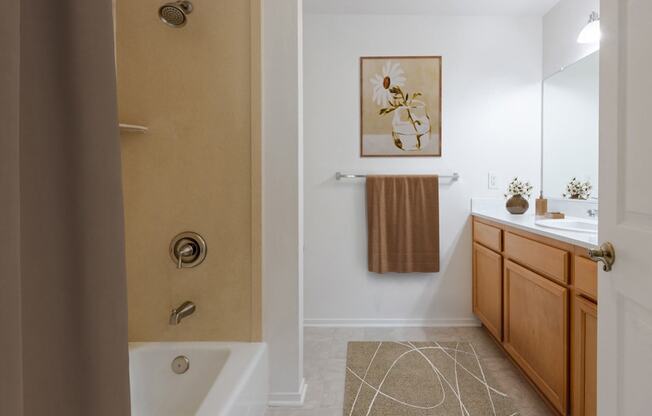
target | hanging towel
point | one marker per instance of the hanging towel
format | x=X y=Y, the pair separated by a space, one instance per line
x=403 y=224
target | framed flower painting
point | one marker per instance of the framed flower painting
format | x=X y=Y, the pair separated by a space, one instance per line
x=400 y=106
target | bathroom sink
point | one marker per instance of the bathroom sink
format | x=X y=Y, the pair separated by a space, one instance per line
x=570 y=224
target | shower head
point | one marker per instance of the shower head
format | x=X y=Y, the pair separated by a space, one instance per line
x=175 y=13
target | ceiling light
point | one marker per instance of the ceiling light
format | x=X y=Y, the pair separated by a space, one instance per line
x=591 y=32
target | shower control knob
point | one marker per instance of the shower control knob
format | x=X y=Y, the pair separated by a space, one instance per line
x=188 y=249
x=185 y=251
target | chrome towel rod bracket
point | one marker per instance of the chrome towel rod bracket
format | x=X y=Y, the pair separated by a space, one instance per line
x=339 y=176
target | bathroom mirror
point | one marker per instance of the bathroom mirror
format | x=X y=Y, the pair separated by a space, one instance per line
x=570 y=128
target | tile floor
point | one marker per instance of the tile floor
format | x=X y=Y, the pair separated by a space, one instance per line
x=325 y=363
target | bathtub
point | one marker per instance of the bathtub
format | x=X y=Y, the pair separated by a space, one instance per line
x=223 y=379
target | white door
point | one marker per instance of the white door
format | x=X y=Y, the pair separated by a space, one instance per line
x=625 y=293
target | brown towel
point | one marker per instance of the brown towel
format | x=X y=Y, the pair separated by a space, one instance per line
x=403 y=224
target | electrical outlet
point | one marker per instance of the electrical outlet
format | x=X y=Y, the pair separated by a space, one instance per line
x=492 y=182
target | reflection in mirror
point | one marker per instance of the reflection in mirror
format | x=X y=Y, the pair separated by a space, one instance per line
x=570 y=128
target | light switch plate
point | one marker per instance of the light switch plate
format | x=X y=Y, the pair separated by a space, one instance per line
x=492 y=182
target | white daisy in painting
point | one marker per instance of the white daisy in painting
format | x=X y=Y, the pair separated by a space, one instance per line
x=391 y=76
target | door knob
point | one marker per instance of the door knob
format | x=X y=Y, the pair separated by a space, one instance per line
x=606 y=254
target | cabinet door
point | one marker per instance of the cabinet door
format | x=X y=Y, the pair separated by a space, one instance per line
x=488 y=289
x=584 y=358
x=536 y=330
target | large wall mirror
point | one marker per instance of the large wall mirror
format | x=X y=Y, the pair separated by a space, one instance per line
x=570 y=128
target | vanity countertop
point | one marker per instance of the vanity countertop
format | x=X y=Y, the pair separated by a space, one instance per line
x=498 y=213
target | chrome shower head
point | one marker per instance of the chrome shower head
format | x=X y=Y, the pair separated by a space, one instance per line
x=175 y=13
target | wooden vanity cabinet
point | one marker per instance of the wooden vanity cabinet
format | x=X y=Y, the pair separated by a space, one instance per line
x=537 y=297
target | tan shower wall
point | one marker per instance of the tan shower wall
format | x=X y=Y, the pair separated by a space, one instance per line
x=192 y=171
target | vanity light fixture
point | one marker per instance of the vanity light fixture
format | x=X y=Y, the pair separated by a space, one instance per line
x=591 y=32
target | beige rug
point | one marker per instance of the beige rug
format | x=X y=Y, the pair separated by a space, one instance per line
x=420 y=379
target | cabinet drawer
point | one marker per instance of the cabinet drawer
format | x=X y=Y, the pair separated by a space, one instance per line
x=549 y=261
x=585 y=276
x=488 y=236
x=535 y=330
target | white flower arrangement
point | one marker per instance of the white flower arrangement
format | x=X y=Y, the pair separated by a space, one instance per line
x=576 y=189
x=519 y=188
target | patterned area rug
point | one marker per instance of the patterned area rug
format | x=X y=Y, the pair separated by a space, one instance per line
x=420 y=379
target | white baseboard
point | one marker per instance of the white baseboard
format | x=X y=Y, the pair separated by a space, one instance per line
x=389 y=323
x=293 y=399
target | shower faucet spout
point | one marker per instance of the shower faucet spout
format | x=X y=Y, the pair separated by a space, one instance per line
x=187 y=308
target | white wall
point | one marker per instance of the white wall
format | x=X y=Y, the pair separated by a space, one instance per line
x=282 y=198
x=561 y=26
x=491 y=122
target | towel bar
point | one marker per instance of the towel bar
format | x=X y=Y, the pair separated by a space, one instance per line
x=339 y=175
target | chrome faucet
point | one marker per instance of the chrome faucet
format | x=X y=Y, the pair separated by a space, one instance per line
x=187 y=308
x=593 y=213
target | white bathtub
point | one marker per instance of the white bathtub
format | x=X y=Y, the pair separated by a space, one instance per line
x=224 y=379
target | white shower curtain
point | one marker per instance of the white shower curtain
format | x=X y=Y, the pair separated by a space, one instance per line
x=62 y=275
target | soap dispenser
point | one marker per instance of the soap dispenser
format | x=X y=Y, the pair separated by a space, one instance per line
x=541 y=205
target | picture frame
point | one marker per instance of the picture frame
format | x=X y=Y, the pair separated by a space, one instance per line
x=400 y=106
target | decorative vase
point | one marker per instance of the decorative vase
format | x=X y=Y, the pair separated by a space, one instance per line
x=411 y=127
x=517 y=205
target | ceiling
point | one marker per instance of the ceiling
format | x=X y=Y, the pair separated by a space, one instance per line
x=435 y=7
